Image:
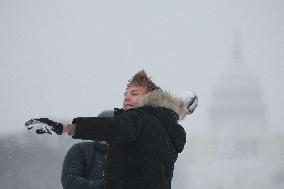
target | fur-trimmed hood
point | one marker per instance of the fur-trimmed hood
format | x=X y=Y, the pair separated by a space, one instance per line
x=159 y=98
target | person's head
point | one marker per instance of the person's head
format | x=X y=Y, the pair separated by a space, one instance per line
x=139 y=85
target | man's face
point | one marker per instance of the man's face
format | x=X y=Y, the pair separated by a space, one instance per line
x=132 y=96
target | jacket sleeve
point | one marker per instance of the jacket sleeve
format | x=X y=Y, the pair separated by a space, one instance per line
x=73 y=171
x=120 y=129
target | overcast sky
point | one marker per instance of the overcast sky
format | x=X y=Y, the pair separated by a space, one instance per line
x=63 y=59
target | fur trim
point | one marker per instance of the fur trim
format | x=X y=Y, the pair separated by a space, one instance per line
x=159 y=98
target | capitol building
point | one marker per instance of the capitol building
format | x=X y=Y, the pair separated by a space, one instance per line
x=239 y=149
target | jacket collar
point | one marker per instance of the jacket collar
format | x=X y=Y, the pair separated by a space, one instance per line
x=159 y=98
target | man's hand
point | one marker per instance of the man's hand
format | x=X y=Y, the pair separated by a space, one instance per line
x=191 y=101
x=44 y=125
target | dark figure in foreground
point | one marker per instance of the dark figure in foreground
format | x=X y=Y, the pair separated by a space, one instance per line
x=84 y=164
x=144 y=138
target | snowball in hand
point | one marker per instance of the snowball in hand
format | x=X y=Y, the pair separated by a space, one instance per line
x=191 y=100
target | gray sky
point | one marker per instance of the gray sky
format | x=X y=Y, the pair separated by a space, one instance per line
x=62 y=59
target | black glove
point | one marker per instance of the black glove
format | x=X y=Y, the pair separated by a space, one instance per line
x=191 y=101
x=44 y=125
x=192 y=104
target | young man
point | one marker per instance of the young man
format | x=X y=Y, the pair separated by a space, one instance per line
x=144 y=138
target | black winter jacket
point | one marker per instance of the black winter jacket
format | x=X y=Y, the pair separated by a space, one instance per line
x=144 y=142
x=83 y=166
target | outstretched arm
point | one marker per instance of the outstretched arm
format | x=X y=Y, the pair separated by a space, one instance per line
x=120 y=129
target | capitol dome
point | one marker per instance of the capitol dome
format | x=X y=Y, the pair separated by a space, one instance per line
x=237 y=98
